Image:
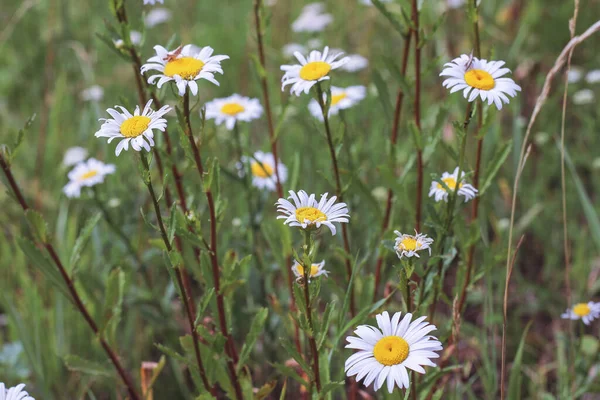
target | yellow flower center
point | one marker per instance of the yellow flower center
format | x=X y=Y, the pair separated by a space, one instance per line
x=479 y=79
x=450 y=182
x=232 y=109
x=135 y=126
x=408 y=243
x=315 y=70
x=261 y=170
x=581 y=309
x=311 y=214
x=88 y=175
x=336 y=98
x=314 y=269
x=391 y=350
x=186 y=67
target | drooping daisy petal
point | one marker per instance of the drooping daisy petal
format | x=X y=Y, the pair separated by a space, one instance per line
x=234 y=108
x=262 y=168
x=587 y=312
x=86 y=174
x=315 y=270
x=341 y=99
x=439 y=192
x=410 y=245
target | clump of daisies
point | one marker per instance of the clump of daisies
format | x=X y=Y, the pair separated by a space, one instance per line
x=480 y=78
x=86 y=174
x=306 y=213
x=387 y=351
x=262 y=169
x=184 y=66
x=311 y=70
x=137 y=128
x=316 y=269
x=439 y=192
x=14 y=393
x=341 y=99
x=234 y=108
x=410 y=245
x=587 y=312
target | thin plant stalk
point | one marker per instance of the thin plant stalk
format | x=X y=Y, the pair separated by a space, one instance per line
x=79 y=304
x=417 y=113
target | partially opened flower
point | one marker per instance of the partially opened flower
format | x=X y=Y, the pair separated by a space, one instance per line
x=341 y=99
x=184 y=66
x=410 y=245
x=86 y=174
x=311 y=70
x=315 y=270
x=136 y=128
x=587 y=312
x=386 y=353
x=262 y=168
x=307 y=213
x=232 y=109
x=14 y=393
x=439 y=192
x=481 y=78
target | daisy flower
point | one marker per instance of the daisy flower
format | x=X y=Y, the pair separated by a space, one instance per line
x=74 y=155
x=87 y=173
x=593 y=76
x=184 y=66
x=587 y=312
x=341 y=99
x=315 y=270
x=410 y=245
x=307 y=213
x=157 y=16
x=137 y=128
x=356 y=62
x=464 y=189
x=387 y=352
x=262 y=168
x=14 y=393
x=232 y=109
x=481 y=78
x=312 y=19
x=311 y=70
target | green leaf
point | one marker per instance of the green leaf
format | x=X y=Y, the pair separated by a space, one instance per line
x=208 y=179
x=78 y=364
x=113 y=299
x=265 y=390
x=324 y=329
x=38 y=225
x=82 y=240
x=516 y=374
x=396 y=23
x=494 y=166
x=288 y=345
x=255 y=328
x=384 y=95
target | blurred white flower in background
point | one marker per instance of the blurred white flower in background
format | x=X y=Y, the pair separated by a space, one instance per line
x=574 y=75
x=152 y=2
x=234 y=108
x=593 y=76
x=136 y=37
x=74 y=155
x=93 y=93
x=583 y=96
x=356 y=62
x=262 y=169
x=86 y=174
x=312 y=19
x=289 y=49
x=157 y=16
x=341 y=99
x=370 y=3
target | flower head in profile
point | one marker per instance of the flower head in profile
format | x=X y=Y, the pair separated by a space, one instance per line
x=74 y=155
x=439 y=192
x=307 y=213
x=86 y=174
x=480 y=78
x=232 y=109
x=410 y=245
x=341 y=99
x=587 y=312
x=315 y=270
x=388 y=350
x=184 y=66
x=312 y=19
x=14 y=393
x=136 y=128
x=311 y=70
x=262 y=169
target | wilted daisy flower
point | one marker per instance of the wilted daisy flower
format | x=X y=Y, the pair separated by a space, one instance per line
x=157 y=16
x=232 y=109
x=86 y=174
x=410 y=245
x=184 y=66
x=583 y=96
x=593 y=76
x=307 y=213
x=464 y=189
x=312 y=19
x=356 y=62
x=315 y=270
x=137 y=128
x=587 y=312
x=262 y=168
x=14 y=393
x=93 y=93
x=341 y=99
x=481 y=78
x=387 y=352
x=310 y=71
x=74 y=155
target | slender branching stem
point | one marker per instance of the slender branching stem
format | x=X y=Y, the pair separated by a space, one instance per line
x=417 y=112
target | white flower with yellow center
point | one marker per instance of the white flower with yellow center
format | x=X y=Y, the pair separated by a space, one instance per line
x=86 y=174
x=587 y=312
x=14 y=393
x=341 y=99
x=410 y=245
x=136 y=128
x=439 y=192
x=232 y=109
x=311 y=70
x=387 y=352
x=262 y=169
x=184 y=66
x=307 y=213
x=481 y=78
x=315 y=270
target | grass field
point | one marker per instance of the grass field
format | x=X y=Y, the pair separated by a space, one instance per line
x=170 y=275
